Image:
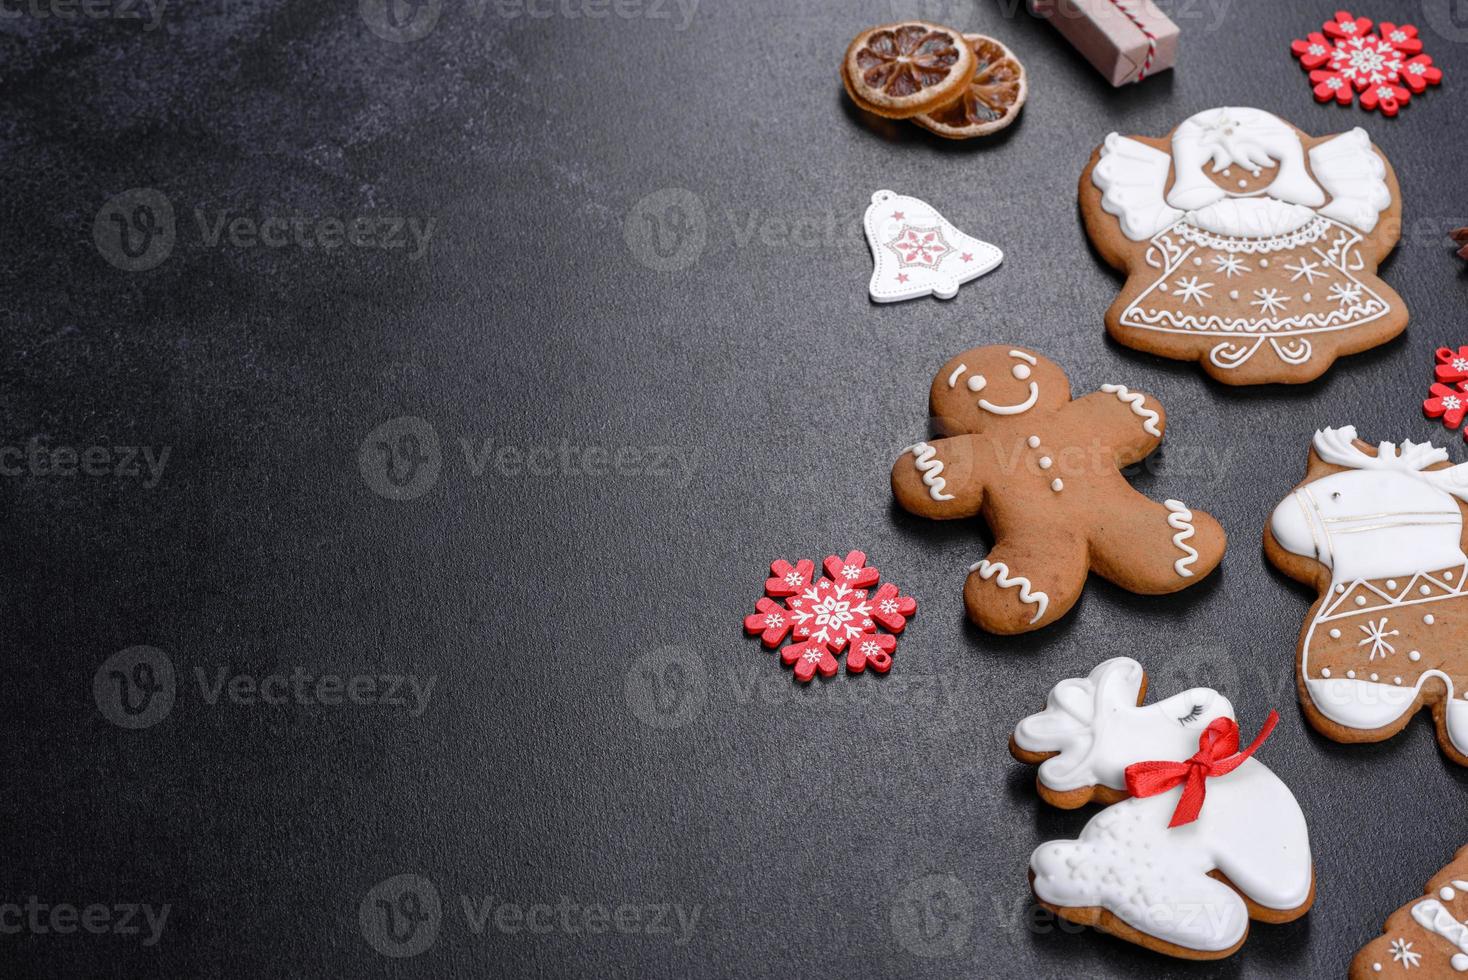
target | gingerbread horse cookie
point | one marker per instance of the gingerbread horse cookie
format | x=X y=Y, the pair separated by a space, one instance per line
x=1426 y=939
x=1248 y=246
x=1045 y=473
x=1202 y=837
x=1378 y=532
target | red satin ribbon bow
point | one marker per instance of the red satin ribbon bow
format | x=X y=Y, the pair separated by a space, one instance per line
x=1218 y=755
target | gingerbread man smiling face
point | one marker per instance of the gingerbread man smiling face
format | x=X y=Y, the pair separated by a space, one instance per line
x=1044 y=471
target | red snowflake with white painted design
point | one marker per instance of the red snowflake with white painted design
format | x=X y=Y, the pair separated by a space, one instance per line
x=1382 y=69
x=834 y=614
x=1448 y=398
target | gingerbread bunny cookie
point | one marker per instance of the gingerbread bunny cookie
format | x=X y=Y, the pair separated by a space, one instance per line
x=1203 y=836
x=1045 y=473
x=1248 y=246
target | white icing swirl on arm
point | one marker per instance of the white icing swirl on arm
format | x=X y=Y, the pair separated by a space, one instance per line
x=1136 y=402
x=1181 y=521
x=931 y=467
x=988 y=569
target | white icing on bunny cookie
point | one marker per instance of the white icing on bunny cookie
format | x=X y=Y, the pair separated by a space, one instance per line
x=1128 y=860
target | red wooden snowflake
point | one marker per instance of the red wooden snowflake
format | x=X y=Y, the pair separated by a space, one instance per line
x=1382 y=69
x=829 y=616
x=1452 y=365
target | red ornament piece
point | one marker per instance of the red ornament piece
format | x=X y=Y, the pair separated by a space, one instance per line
x=1418 y=73
x=1345 y=26
x=772 y=622
x=1346 y=60
x=1329 y=85
x=808 y=658
x=1452 y=365
x=852 y=570
x=874 y=650
x=1218 y=755
x=1447 y=403
x=1403 y=38
x=1386 y=97
x=1314 y=51
x=826 y=617
x=890 y=608
x=788 y=579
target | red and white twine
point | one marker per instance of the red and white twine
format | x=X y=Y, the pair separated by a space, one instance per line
x=1151 y=38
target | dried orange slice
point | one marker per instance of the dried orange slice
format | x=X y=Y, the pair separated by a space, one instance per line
x=993 y=99
x=900 y=70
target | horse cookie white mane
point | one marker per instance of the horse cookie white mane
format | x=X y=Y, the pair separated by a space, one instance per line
x=1157 y=881
x=1388 y=529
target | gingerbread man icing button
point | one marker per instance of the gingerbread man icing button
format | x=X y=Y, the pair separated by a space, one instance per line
x=1045 y=473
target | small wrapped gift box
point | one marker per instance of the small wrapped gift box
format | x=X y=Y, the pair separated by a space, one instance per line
x=1125 y=40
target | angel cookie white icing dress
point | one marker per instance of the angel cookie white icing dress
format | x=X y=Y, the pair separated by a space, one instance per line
x=1267 y=281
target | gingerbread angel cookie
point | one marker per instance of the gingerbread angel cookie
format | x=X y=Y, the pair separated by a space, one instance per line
x=1248 y=245
x=1378 y=532
x=1045 y=473
x=1202 y=837
x=1426 y=939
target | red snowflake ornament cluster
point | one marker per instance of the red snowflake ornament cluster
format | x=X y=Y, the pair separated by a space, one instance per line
x=1449 y=400
x=1385 y=68
x=829 y=616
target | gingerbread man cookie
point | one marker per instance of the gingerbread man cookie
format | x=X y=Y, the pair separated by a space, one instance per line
x=1180 y=870
x=1378 y=532
x=1045 y=473
x=1426 y=939
x=1248 y=246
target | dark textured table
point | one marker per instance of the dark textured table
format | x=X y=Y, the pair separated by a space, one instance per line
x=254 y=676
